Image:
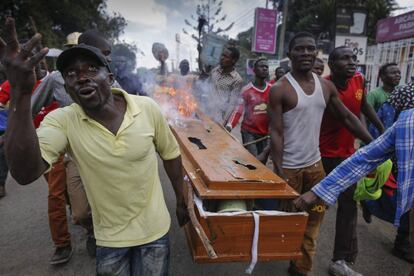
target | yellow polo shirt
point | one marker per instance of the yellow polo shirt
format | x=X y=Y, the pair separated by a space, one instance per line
x=119 y=172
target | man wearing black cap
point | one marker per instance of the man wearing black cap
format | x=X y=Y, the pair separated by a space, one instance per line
x=112 y=137
x=64 y=182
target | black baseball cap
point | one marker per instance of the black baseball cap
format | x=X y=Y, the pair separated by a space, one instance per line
x=68 y=55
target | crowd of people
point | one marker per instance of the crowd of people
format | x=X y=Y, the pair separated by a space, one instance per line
x=95 y=137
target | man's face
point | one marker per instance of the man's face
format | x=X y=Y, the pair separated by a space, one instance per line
x=303 y=54
x=119 y=65
x=184 y=67
x=391 y=76
x=105 y=48
x=226 y=59
x=318 y=68
x=261 y=69
x=344 y=65
x=88 y=83
x=279 y=72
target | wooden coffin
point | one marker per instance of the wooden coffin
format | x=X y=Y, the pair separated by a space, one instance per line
x=280 y=237
x=218 y=167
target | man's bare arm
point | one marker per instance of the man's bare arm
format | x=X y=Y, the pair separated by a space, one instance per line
x=174 y=171
x=351 y=122
x=21 y=143
x=275 y=114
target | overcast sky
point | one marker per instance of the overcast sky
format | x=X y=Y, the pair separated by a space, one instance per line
x=152 y=21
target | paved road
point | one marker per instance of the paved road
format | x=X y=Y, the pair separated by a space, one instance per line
x=25 y=244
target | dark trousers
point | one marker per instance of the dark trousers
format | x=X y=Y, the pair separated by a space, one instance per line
x=384 y=208
x=58 y=224
x=3 y=166
x=346 y=242
x=256 y=148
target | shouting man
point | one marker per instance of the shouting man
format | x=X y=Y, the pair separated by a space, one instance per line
x=113 y=137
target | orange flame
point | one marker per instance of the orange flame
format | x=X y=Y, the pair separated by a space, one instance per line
x=181 y=100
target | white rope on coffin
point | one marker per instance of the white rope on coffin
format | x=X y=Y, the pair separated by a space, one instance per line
x=256 y=217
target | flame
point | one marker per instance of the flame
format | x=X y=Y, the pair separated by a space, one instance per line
x=179 y=100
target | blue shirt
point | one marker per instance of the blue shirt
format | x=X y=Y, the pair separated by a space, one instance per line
x=398 y=140
x=387 y=115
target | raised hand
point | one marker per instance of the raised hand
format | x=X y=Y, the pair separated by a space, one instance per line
x=19 y=62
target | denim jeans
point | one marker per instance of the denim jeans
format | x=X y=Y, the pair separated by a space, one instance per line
x=151 y=259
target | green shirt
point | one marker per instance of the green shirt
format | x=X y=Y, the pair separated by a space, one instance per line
x=377 y=97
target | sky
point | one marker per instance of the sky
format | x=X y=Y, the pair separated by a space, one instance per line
x=152 y=21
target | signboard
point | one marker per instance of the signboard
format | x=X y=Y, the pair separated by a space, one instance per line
x=249 y=66
x=351 y=21
x=273 y=64
x=264 y=31
x=394 y=28
x=212 y=47
x=358 y=44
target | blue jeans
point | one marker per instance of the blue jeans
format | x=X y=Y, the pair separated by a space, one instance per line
x=151 y=259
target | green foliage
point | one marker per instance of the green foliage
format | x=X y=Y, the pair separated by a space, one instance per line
x=318 y=16
x=55 y=19
x=206 y=18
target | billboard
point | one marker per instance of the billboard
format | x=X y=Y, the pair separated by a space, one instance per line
x=264 y=31
x=358 y=44
x=394 y=28
x=273 y=64
x=351 y=21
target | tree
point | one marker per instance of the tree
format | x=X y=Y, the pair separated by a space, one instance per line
x=318 y=16
x=206 y=20
x=57 y=18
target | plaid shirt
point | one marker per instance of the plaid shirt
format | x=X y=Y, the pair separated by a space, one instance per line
x=398 y=139
x=227 y=89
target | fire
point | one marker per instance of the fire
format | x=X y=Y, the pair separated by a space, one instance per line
x=175 y=100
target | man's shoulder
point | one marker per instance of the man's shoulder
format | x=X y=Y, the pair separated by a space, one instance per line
x=55 y=76
x=63 y=114
x=375 y=91
x=281 y=88
x=5 y=86
x=358 y=78
x=247 y=87
x=406 y=87
x=236 y=75
x=407 y=115
x=145 y=103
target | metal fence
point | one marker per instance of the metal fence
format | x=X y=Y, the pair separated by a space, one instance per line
x=400 y=52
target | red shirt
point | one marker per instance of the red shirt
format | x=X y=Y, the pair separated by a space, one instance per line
x=5 y=91
x=272 y=81
x=335 y=140
x=5 y=97
x=254 y=105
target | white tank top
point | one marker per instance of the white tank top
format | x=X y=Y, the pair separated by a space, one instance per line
x=302 y=126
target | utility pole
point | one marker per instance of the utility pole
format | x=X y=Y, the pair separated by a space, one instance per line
x=283 y=30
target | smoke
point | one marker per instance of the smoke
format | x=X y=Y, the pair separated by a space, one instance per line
x=180 y=97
